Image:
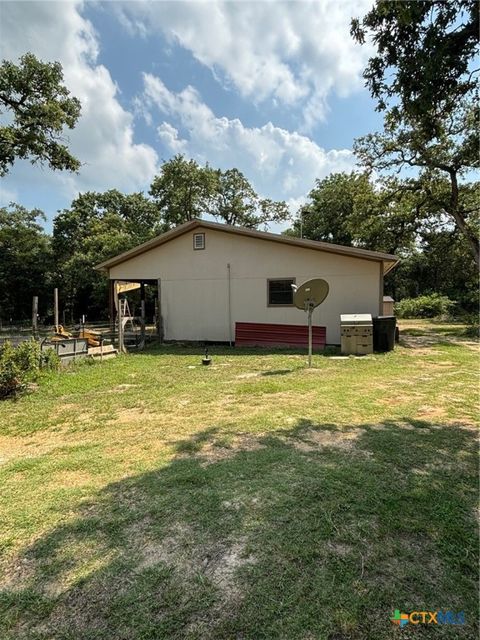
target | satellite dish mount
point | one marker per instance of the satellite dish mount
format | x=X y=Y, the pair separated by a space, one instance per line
x=307 y=297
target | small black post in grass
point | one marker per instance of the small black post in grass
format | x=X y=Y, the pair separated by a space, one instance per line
x=206 y=360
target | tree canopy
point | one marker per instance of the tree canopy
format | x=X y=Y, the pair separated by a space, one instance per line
x=182 y=190
x=25 y=261
x=235 y=202
x=352 y=209
x=423 y=80
x=39 y=106
x=349 y=209
x=95 y=227
x=424 y=55
x=185 y=190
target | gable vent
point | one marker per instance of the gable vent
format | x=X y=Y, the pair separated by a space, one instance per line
x=198 y=241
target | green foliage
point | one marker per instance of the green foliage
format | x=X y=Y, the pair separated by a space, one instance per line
x=473 y=326
x=349 y=209
x=431 y=306
x=439 y=263
x=25 y=262
x=423 y=56
x=38 y=107
x=97 y=226
x=49 y=360
x=421 y=77
x=235 y=202
x=18 y=367
x=182 y=190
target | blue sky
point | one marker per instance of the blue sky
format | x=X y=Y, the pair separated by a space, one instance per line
x=272 y=88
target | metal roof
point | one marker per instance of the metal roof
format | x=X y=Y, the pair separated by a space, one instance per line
x=389 y=260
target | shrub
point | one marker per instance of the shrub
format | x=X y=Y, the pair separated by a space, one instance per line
x=472 y=329
x=49 y=360
x=18 y=367
x=430 y=306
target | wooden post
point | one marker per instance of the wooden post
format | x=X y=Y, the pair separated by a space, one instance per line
x=35 y=315
x=159 y=310
x=111 y=305
x=121 y=347
x=55 y=307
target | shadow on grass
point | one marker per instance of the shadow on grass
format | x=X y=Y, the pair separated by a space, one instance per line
x=277 y=372
x=311 y=532
x=182 y=349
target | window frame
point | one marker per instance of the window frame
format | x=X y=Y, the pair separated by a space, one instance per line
x=292 y=280
x=193 y=240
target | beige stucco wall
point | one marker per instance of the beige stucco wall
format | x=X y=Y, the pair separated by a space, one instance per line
x=194 y=284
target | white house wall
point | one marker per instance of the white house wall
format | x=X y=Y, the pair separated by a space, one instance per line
x=194 y=284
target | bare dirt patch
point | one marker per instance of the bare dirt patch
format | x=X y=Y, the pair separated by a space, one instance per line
x=71 y=479
x=121 y=388
x=133 y=415
x=214 y=453
x=181 y=551
x=430 y=412
x=430 y=339
x=315 y=440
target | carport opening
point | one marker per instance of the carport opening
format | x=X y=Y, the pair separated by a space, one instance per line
x=137 y=303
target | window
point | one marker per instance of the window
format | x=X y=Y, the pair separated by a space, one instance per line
x=198 y=241
x=280 y=292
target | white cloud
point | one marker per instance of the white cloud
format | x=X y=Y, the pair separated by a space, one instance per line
x=104 y=137
x=293 y=53
x=281 y=164
x=169 y=136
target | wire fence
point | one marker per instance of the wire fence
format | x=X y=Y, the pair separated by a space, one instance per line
x=133 y=335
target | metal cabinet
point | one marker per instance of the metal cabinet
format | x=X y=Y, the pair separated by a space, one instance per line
x=356 y=334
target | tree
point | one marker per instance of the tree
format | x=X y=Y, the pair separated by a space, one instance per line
x=349 y=209
x=183 y=190
x=38 y=107
x=96 y=227
x=440 y=264
x=440 y=166
x=235 y=202
x=422 y=77
x=25 y=262
x=424 y=55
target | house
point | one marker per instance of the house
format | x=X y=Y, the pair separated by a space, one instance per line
x=212 y=276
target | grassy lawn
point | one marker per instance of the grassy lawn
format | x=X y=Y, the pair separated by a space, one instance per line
x=149 y=497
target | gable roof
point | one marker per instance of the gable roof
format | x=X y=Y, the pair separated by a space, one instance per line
x=389 y=260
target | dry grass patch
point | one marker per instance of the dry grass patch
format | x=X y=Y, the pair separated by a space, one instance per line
x=316 y=440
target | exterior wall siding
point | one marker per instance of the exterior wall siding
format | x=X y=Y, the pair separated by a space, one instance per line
x=194 y=289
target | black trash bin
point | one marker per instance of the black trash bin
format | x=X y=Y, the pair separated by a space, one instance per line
x=384 y=333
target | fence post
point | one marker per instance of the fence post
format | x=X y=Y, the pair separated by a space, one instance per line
x=35 y=315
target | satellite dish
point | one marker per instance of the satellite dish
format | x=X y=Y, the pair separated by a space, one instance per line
x=306 y=297
x=310 y=293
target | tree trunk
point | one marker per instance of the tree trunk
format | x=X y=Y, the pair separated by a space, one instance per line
x=457 y=215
